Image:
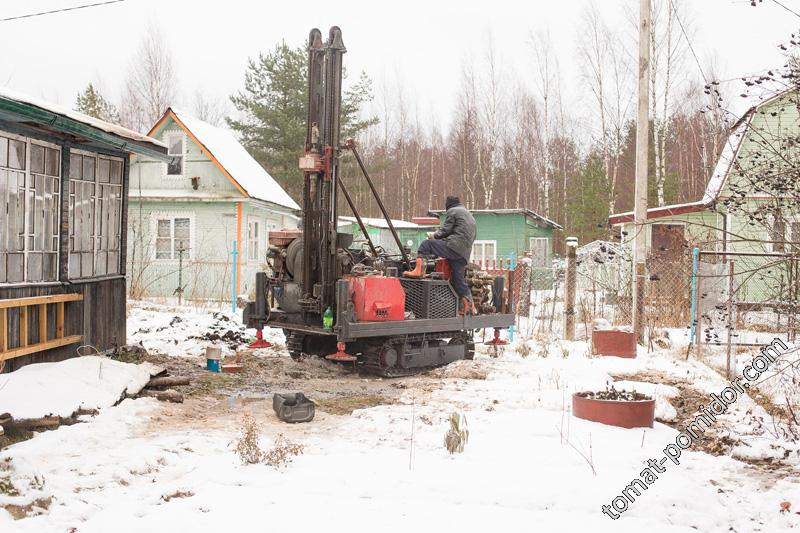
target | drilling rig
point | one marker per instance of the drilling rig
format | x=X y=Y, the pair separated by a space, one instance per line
x=352 y=303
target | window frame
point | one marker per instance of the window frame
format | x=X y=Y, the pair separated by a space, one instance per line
x=34 y=242
x=254 y=258
x=156 y=216
x=100 y=208
x=546 y=250
x=168 y=136
x=482 y=243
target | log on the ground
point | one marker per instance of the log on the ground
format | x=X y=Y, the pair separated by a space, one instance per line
x=167 y=381
x=163 y=396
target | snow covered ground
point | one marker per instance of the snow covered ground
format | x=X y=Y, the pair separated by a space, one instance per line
x=528 y=464
x=61 y=389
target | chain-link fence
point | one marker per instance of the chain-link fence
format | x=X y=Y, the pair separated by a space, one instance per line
x=604 y=286
x=746 y=299
x=518 y=275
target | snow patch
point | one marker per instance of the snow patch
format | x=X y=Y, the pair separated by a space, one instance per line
x=61 y=389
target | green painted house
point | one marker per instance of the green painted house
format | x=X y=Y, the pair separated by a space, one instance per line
x=750 y=205
x=185 y=217
x=506 y=233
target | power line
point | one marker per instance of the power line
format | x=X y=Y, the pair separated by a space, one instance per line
x=787 y=8
x=688 y=41
x=73 y=8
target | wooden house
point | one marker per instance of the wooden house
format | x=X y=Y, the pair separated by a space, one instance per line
x=187 y=216
x=63 y=203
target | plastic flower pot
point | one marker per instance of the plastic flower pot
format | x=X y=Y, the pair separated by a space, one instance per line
x=615 y=342
x=620 y=413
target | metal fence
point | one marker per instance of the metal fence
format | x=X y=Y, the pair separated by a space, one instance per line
x=746 y=299
x=518 y=275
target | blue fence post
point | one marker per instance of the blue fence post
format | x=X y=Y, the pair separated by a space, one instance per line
x=512 y=265
x=695 y=255
x=233 y=286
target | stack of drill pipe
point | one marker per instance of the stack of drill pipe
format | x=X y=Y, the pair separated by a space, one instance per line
x=480 y=284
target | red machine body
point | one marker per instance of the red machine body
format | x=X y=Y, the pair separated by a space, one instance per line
x=443 y=266
x=377 y=298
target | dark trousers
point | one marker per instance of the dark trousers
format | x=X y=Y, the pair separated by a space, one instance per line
x=433 y=248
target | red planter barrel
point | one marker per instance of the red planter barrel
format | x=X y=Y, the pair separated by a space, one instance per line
x=615 y=342
x=634 y=414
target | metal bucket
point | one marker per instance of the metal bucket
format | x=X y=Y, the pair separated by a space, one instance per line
x=213 y=356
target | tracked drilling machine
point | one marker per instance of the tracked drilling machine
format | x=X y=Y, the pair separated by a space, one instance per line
x=352 y=303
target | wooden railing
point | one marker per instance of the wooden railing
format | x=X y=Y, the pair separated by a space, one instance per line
x=23 y=304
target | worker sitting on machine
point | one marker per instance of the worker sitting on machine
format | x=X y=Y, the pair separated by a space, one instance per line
x=452 y=241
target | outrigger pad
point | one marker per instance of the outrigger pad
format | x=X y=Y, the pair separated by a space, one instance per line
x=293 y=407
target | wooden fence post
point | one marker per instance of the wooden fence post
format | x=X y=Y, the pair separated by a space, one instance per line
x=570 y=289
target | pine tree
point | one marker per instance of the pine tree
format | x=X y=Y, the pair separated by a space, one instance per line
x=587 y=201
x=91 y=102
x=273 y=104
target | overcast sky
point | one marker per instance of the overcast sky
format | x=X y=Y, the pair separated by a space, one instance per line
x=422 y=42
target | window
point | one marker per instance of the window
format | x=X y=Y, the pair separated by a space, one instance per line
x=539 y=251
x=30 y=193
x=253 y=239
x=95 y=215
x=173 y=237
x=175 y=147
x=483 y=251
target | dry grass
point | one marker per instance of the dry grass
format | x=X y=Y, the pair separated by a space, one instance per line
x=18 y=512
x=282 y=452
x=247 y=446
x=457 y=436
x=177 y=494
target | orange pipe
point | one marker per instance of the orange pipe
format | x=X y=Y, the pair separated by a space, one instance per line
x=239 y=245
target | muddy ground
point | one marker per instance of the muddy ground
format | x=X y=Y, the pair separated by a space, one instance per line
x=218 y=400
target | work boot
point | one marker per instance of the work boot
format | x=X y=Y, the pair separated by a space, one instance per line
x=419 y=269
x=467 y=307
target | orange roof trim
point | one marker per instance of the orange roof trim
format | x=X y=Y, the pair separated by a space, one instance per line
x=170 y=114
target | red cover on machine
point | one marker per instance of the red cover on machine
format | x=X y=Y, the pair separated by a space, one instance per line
x=377 y=298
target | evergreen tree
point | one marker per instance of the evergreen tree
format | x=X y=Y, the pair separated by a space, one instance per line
x=273 y=106
x=91 y=102
x=587 y=201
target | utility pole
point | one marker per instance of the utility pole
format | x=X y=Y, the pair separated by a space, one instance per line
x=640 y=200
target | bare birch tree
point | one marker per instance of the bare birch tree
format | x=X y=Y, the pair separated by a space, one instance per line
x=151 y=84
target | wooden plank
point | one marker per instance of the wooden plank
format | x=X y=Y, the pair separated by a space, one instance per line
x=42 y=322
x=3 y=330
x=60 y=320
x=23 y=326
x=37 y=300
x=39 y=347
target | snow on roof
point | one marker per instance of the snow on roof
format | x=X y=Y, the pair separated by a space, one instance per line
x=236 y=161
x=107 y=127
x=729 y=153
x=380 y=222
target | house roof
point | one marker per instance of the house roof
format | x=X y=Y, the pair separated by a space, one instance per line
x=380 y=223
x=222 y=147
x=527 y=212
x=716 y=183
x=19 y=107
